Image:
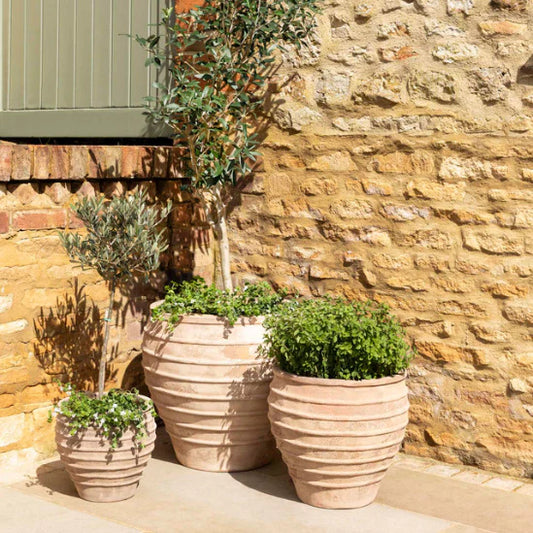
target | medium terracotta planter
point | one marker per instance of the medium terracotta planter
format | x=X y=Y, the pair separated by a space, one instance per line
x=210 y=387
x=99 y=473
x=337 y=437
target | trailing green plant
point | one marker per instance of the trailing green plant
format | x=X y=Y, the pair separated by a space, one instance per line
x=336 y=339
x=112 y=415
x=218 y=57
x=196 y=297
x=122 y=240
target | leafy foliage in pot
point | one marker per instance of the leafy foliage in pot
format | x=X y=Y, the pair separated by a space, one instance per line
x=112 y=415
x=336 y=339
x=218 y=57
x=196 y=297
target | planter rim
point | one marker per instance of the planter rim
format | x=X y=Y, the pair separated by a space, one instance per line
x=195 y=318
x=325 y=382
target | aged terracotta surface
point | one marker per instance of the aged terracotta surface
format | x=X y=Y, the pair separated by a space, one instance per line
x=210 y=387
x=99 y=473
x=337 y=437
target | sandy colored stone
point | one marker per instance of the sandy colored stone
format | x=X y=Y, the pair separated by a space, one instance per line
x=11 y=429
x=336 y=161
x=503 y=483
x=15 y=326
x=501 y=27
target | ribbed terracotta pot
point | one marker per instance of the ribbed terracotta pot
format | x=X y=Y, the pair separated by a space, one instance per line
x=210 y=387
x=99 y=473
x=337 y=437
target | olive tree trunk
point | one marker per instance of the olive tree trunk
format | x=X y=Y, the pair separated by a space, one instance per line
x=107 y=329
x=221 y=235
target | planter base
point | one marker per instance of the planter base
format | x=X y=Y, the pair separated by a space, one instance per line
x=106 y=494
x=229 y=459
x=350 y=498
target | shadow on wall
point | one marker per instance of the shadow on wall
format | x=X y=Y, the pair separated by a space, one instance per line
x=525 y=73
x=69 y=339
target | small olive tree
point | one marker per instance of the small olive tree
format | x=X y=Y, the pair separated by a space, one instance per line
x=218 y=57
x=123 y=240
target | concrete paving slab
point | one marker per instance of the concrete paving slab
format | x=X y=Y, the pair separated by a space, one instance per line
x=458 y=501
x=173 y=498
x=21 y=513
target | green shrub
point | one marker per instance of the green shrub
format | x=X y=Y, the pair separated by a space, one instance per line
x=196 y=297
x=111 y=415
x=335 y=339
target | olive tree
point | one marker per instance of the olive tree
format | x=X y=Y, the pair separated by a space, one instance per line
x=122 y=240
x=218 y=57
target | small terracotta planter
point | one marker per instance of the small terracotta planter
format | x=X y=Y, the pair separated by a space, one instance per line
x=99 y=473
x=338 y=437
x=210 y=387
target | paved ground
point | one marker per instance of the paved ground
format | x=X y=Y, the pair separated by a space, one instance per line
x=417 y=496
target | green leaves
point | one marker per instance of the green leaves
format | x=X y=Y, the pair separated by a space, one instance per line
x=336 y=339
x=196 y=297
x=122 y=237
x=112 y=415
x=218 y=55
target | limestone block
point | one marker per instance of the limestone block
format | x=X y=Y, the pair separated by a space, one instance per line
x=11 y=429
x=456 y=52
x=15 y=326
x=491 y=83
x=432 y=85
x=6 y=303
x=459 y=6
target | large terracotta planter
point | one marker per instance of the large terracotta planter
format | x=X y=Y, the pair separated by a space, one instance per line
x=337 y=437
x=210 y=387
x=99 y=473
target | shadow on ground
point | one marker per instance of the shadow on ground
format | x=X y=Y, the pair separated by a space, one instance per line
x=54 y=478
x=271 y=479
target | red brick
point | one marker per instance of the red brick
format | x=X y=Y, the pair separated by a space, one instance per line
x=58 y=192
x=6 y=152
x=104 y=161
x=41 y=162
x=96 y=168
x=145 y=163
x=22 y=163
x=181 y=214
x=42 y=219
x=4 y=222
x=113 y=188
x=177 y=160
x=161 y=162
x=60 y=162
x=186 y=5
x=129 y=161
x=79 y=158
x=73 y=221
x=112 y=157
x=87 y=189
x=25 y=193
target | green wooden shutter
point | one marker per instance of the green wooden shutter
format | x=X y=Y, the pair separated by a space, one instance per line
x=68 y=69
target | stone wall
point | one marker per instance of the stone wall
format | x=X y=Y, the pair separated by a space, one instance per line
x=400 y=168
x=50 y=311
